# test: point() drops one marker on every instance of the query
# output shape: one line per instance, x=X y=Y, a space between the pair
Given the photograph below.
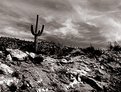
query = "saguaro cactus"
x=36 y=33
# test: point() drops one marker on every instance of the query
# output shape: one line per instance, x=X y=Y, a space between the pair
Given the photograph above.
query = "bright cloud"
x=112 y=33
x=12 y=32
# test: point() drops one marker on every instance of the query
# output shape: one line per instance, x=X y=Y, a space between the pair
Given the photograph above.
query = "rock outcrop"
x=17 y=54
x=71 y=73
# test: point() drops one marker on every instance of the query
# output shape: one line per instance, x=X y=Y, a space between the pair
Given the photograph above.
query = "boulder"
x=9 y=58
x=64 y=61
x=17 y=54
x=92 y=82
x=42 y=90
x=84 y=67
x=6 y=69
x=78 y=59
x=73 y=83
x=38 y=59
x=1 y=54
x=32 y=55
x=6 y=82
x=77 y=72
x=50 y=64
x=9 y=81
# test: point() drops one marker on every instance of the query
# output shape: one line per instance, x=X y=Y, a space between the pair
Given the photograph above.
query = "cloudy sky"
x=70 y=22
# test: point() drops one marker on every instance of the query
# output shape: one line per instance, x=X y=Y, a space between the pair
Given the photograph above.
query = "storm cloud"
x=71 y=22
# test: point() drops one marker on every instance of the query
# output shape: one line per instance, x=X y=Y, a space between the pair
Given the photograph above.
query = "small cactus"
x=36 y=33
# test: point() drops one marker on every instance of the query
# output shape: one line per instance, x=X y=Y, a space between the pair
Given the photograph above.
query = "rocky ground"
x=79 y=71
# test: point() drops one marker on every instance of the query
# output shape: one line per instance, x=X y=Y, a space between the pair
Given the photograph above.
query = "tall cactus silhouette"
x=36 y=33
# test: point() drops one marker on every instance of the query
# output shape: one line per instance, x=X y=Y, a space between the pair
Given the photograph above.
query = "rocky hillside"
x=57 y=68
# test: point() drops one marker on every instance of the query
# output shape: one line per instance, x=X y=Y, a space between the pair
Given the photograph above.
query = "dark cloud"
x=72 y=22
x=104 y=5
x=55 y=5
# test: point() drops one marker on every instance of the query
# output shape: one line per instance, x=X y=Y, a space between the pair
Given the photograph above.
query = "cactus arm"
x=40 y=32
x=42 y=29
x=36 y=24
x=32 y=30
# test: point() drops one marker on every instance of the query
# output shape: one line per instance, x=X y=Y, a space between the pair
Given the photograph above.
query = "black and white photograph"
x=60 y=45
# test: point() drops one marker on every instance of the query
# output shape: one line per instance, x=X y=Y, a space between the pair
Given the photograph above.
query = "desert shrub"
x=62 y=50
x=110 y=59
x=2 y=47
x=77 y=52
x=67 y=50
x=15 y=74
x=38 y=59
x=59 y=50
x=27 y=47
x=1 y=71
x=114 y=47
x=12 y=88
x=91 y=52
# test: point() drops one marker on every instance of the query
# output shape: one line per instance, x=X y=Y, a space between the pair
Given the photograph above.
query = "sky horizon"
x=70 y=22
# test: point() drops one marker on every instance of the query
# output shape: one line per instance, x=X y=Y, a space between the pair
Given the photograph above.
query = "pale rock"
x=39 y=81
x=39 y=90
x=6 y=68
x=102 y=67
x=27 y=52
x=42 y=90
x=75 y=82
x=1 y=53
x=82 y=72
x=76 y=59
x=9 y=58
x=77 y=72
x=49 y=59
x=101 y=71
x=17 y=54
x=31 y=54
x=84 y=67
x=1 y=80
x=8 y=81
x=64 y=61
x=77 y=52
